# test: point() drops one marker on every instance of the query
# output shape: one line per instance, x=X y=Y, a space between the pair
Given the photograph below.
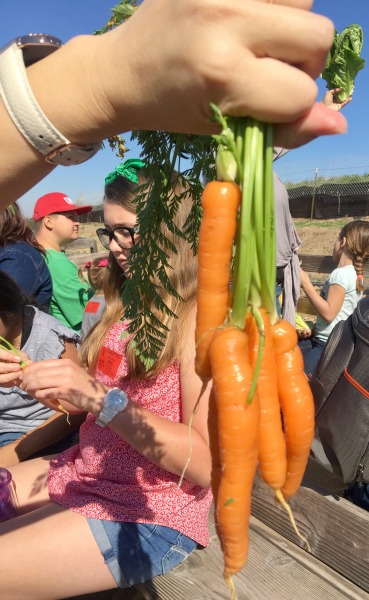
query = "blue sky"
x=333 y=155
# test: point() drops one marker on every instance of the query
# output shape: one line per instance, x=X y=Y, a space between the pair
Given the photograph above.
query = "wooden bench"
x=278 y=568
x=320 y=267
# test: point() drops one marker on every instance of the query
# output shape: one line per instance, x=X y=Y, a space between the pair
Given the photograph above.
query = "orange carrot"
x=272 y=444
x=220 y=202
x=296 y=402
x=238 y=424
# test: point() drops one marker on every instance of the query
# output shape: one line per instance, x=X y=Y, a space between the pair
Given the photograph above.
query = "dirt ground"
x=319 y=237
x=89 y=230
x=316 y=239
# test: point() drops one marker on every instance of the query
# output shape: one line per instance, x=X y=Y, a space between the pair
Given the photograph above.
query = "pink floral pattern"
x=103 y=477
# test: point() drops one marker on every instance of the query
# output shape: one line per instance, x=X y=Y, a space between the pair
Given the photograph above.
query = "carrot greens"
x=5 y=345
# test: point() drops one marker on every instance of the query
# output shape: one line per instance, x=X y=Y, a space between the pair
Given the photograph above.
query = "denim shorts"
x=7 y=437
x=137 y=552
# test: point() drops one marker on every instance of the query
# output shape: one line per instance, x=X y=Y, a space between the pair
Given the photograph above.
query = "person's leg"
x=278 y=299
x=311 y=356
x=48 y=554
x=30 y=480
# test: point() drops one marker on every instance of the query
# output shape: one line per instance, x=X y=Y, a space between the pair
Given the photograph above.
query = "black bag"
x=340 y=386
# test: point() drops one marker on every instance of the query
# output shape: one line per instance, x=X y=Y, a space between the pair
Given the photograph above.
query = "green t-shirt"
x=70 y=294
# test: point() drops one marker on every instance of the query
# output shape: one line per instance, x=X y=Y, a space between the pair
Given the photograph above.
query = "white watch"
x=23 y=107
x=115 y=401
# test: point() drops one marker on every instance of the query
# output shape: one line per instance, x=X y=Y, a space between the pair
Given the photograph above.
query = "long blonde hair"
x=357 y=246
x=182 y=276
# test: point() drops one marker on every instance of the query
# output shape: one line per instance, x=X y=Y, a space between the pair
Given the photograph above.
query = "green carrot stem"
x=260 y=324
x=270 y=236
x=255 y=297
x=8 y=347
x=227 y=141
x=264 y=224
x=259 y=217
x=245 y=248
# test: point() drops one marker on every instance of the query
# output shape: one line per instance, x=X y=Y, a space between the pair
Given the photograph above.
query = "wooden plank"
x=337 y=530
x=305 y=307
x=318 y=263
x=80 y=259
x=277 y=569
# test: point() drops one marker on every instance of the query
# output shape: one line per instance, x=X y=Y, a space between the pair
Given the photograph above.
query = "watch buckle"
x=59 y=155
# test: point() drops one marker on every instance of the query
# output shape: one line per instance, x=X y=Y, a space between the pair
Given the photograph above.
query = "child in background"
x=26 y=426
x=341 y=292
x=96 y=305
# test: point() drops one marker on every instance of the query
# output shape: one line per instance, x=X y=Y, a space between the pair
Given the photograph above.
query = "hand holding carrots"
x=263 y=38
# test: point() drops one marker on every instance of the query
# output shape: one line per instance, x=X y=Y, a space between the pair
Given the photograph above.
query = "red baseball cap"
x=56 y=202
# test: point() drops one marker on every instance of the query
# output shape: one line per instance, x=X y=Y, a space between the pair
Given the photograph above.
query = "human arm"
x=327 y=308
x=113 y=85
x=165 y=443
x=55 y=428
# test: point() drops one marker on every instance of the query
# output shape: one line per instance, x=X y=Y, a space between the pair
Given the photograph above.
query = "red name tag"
x=109 y=362
x=92 y=307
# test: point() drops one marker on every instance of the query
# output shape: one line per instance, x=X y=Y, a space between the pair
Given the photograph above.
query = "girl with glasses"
x=117 y=494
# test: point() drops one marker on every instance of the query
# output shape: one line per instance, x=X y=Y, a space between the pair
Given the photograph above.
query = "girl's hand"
x=11 y=372
x=328 y=100
x=64 y=381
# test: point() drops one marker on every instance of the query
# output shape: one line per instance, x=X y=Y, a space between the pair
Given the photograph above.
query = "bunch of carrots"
x=261 y=408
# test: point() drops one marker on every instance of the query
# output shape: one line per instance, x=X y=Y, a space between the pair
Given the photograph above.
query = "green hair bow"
x=127 y=169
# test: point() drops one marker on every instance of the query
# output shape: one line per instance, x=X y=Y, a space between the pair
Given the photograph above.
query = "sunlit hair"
x=357 y=246
x=182 y=276
x=14 y=228
x=94 y=274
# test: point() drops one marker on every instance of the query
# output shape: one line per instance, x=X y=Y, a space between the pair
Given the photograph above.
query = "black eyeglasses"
x=123 y=236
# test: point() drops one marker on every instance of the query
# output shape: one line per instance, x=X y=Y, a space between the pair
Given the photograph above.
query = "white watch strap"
x=27 y=115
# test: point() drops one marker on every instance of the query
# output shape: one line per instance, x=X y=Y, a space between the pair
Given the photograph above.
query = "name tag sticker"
x=109 y=362
x=92 y=307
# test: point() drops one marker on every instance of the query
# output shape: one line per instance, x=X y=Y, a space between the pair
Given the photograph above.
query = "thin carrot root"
x=280 y=498
x=203 y=388
x=60 y=407
x=230 y=584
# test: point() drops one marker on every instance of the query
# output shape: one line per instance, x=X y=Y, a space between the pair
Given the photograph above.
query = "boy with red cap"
x=57 y=223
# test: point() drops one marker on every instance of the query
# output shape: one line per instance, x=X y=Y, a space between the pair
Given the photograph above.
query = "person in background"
x=22 y=257
x=96 y=270
x=341 y=292
x=57 y=223
x=195 y=70
x=288 y=241
x=27 y=426
x=119 y=494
